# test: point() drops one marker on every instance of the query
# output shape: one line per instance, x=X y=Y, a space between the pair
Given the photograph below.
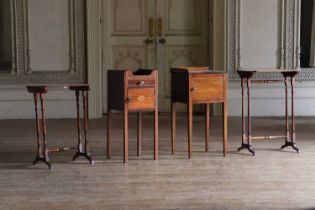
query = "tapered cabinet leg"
x=173 y=110
x=139 y=133
x=207 y=125
x=189 y=119
x=225 y=127
x=125 y=135
x=109 y=134
x=156 y=133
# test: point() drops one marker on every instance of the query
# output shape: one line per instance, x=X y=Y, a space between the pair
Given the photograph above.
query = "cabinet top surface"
x=196 y=70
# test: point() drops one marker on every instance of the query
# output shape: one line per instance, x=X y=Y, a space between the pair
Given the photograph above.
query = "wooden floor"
x=272 y=179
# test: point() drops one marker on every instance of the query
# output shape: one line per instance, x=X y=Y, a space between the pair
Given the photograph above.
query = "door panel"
x=128 y=17
x=185 y=32
x=182 y=17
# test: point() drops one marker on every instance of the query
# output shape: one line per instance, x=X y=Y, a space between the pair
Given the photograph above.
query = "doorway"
x=157 y=34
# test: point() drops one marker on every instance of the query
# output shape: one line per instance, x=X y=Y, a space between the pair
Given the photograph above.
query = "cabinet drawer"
x=141 y=83
x=141 y=98
x=207 y=88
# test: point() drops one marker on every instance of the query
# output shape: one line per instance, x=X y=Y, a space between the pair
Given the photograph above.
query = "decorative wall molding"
x=13 y=63
x=72 y=48
x=23 y=74
x=289 y=46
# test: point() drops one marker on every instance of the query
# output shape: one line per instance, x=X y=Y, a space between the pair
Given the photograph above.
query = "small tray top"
x=267 y=70
x=43 y=88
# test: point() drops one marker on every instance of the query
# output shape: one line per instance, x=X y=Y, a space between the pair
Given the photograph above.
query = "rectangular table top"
x=43 y=88
x=267 y=70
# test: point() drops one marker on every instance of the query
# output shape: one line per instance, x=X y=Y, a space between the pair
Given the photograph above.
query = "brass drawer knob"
x=140 y=83
x=129 y=98
x=193 y=89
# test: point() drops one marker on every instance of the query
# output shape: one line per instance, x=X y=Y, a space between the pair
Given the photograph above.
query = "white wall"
x=49 y=49
x=268 y=99
x=17 y=103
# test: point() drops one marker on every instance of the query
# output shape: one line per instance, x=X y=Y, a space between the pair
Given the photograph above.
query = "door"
x=157 y=34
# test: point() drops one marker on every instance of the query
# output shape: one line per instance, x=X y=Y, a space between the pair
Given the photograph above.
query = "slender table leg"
x=246 y=145
x=109 y=130
x=156 y=129
x=225 y=126
x=42 y=151
x=39 y=147
x=293 y=117
x=79 y=146
x=207 y=125
x=292 y=142
x=189 y=118
x=249 y=118
x=126 y=133
x=139 y=131
x=173 y=110
x=80 y=152
x=243 y=117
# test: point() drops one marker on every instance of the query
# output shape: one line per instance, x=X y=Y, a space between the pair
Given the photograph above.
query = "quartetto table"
x=82 y=147
x=198 y=85
x=246 y=77
x=132 y=91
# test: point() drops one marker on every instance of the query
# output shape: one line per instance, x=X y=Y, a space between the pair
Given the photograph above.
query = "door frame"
x=95 y=47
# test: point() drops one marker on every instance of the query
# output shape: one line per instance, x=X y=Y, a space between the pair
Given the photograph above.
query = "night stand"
x=132 y=91
x=192 y=85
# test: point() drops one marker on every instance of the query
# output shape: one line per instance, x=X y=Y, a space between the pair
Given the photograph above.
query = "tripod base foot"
x=291 y=144
x=247 y=146
x=44 y=160
x=86 y=155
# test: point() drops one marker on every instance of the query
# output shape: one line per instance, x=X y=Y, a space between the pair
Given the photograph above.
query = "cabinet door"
x=207 y=88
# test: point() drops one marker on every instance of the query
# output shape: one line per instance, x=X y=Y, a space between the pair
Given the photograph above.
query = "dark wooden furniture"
x=198 y=86
x=132 y=91
x=246 y=80
x=42 y=149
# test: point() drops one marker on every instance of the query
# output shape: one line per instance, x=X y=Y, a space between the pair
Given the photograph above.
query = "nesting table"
x=246 y=81
x=132 y=91
x=198 y=85
x=82 y=148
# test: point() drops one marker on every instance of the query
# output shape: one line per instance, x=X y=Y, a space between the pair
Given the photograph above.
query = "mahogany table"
x=132 y=91
x=198 y=85
x=246 y=77
x=42 y=149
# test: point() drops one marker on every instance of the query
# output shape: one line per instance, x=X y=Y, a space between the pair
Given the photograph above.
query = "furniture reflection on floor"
x=132 y=91
x=191 y=86
x=246 y=77
x=42 y=148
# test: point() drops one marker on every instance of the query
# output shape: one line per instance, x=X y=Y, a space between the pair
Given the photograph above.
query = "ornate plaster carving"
x=23 y=74
x=289 y=47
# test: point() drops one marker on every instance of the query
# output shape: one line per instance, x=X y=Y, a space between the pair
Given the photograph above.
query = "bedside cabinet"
x=132 y=91
x=194 y=85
